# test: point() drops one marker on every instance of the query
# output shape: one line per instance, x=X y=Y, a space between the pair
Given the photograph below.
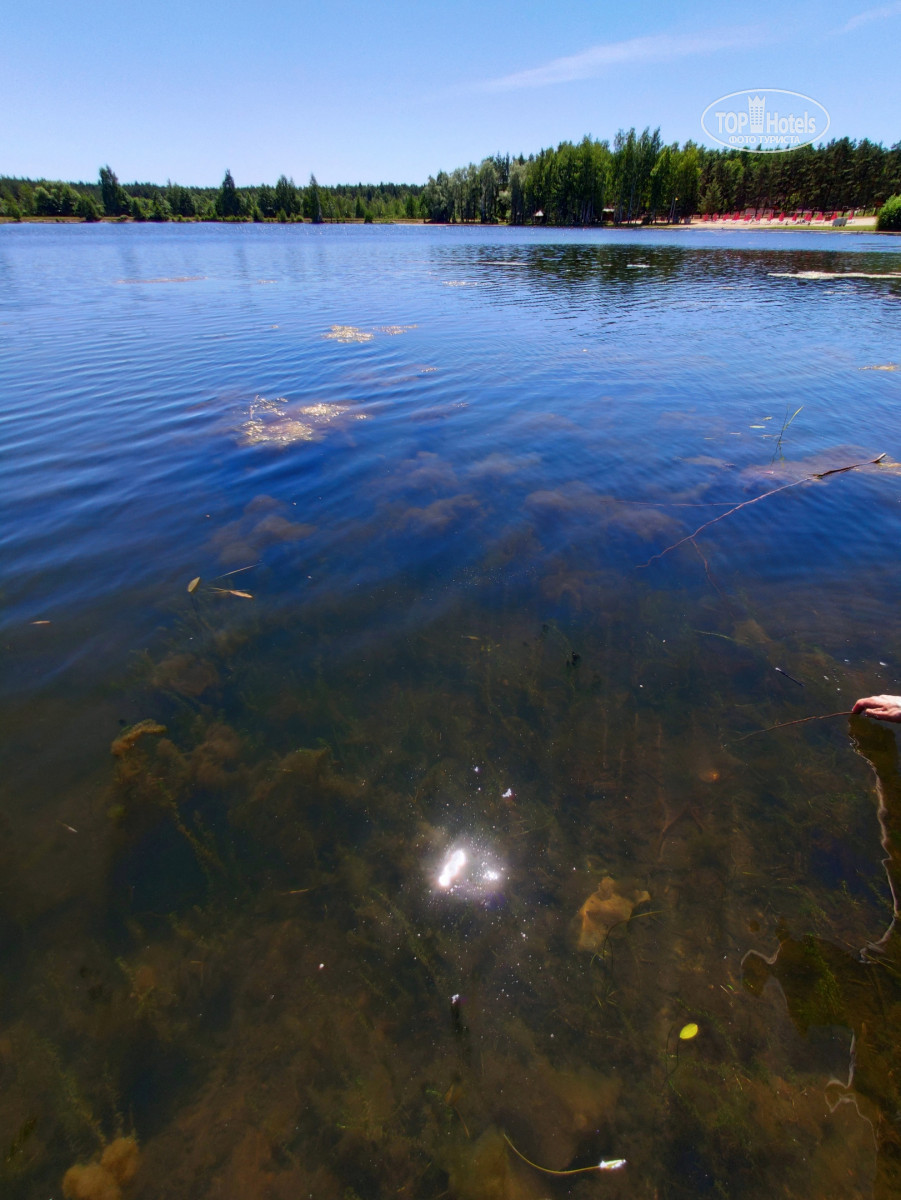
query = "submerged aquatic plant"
x=785 y=424
x=104 y=1179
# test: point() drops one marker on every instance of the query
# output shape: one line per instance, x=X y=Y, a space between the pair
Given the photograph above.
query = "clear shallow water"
x=451 y=460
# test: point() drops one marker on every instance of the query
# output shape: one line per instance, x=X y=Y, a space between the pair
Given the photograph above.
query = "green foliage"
x=159 y=209
x=44 y=203
x=116 y=200
x=180 y=201
x=636 y=179
x=286 y=199
x=228 y=203
x=640 y=179
x=55 y=200
x=88 y=208
x=313 y=202
x=266 y=203
x=889 y=217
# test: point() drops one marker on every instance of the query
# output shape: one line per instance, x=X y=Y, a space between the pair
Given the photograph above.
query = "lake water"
x=443 y=831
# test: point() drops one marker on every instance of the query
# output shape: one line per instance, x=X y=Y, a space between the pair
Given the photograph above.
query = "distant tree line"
x=285 y=201
x=585 y=184
x=638 y=178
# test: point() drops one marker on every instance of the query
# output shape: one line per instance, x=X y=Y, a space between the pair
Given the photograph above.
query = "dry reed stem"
x=799 y=721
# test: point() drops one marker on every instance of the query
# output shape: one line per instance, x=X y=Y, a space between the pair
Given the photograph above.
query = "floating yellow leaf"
x=687 y=1032
x=192 y=586
x=231 y=592
x=40 y=622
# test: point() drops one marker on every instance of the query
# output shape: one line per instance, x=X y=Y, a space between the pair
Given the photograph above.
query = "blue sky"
x=357 y=90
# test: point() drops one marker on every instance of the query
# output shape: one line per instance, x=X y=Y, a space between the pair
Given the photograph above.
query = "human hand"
x=883 y=708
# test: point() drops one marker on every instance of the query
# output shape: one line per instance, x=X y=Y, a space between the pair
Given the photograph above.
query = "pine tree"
x=228 y=203
x=285 y=199
x=314 y=201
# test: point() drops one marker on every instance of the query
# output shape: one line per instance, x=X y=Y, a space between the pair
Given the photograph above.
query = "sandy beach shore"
x=853 y=224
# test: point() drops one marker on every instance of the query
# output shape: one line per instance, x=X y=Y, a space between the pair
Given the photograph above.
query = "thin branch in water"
x=237 y=571
x=799 y=721
x=838 y=470
x=670 y=503
x=689 y=537
x=716 y=587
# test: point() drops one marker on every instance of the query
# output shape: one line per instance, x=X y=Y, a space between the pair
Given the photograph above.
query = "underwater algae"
x=348 y=334
x=130 y=736
x=280 y=423
x=105 y=1179
x=273 y=974
x=825 y=985
x=548 y=1122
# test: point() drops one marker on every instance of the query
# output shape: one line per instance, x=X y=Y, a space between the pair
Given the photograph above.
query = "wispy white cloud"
x=871 y=14
x=595 y=60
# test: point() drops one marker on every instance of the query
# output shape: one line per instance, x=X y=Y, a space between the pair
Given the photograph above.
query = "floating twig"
x=716 y=587
x=838 y=470
x=787 y=676
x=689 y=537
x=799 y=721
x=238 y=570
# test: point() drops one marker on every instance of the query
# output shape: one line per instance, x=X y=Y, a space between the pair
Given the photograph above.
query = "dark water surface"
x=441 y=828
